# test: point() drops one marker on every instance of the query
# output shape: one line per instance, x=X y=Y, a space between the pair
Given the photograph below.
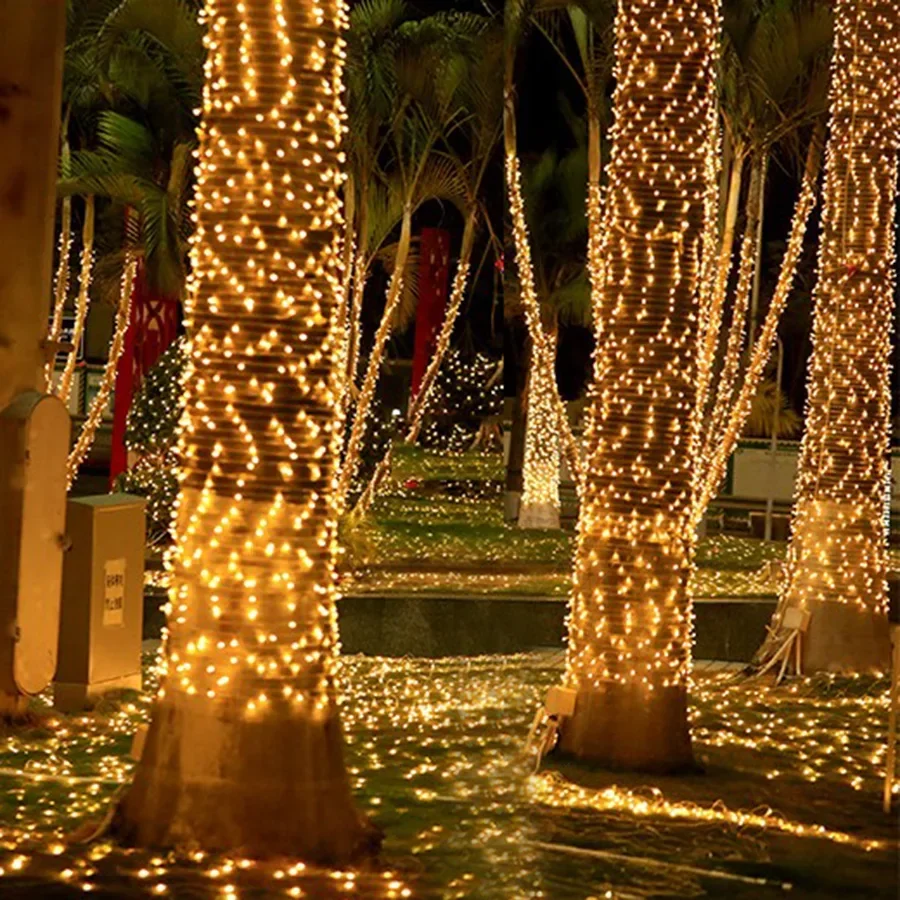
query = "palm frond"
x=408 y=303
x=769 y=398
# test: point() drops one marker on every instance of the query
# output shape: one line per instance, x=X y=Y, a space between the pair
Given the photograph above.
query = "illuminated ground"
x=791 y=796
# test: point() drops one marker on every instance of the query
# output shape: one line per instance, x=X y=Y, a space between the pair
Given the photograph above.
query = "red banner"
x=151 y=329
x=434 y=268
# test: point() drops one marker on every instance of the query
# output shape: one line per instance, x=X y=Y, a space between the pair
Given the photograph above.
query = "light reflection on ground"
x=791 y=795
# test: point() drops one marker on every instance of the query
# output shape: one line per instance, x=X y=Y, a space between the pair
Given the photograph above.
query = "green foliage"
x=761 y=421
x=774 y=69
x=132 y=84
x=416 y=94
x=157 y=407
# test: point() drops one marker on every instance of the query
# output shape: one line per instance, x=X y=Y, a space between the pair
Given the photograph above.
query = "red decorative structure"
x=433 y=277
x=152 y=328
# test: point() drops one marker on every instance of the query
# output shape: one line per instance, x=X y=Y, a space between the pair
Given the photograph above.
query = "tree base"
x=211 y=779
x=846 y=638
x=538 y=515
x=630 y=727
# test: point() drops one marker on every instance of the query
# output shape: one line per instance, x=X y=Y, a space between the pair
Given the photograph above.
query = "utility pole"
x=34 y=428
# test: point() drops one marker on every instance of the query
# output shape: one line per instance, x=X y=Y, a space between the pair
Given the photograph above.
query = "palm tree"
x=470 y=147
x=427 y=67
x=774 y=79
x=133 y=76
x=246 y=724
x=837 y=560
x=591 y=24
x=629 y=627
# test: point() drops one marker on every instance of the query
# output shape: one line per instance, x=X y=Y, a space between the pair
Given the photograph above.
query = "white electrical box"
x=34 y=447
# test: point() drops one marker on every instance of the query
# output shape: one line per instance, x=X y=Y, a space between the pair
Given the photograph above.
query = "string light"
x=419 y=404
x=837 y=561
x=252 y=641
x=358 y=290
x=630 y=617
x=555 y=791
x=83 y=300
x=467 y=392
x=435 y=737
x=101 y=398
x=152 y=435
x=442 y=344
x=61 y=281
x=723 y=395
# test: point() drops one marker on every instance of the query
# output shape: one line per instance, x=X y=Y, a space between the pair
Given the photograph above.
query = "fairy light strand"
x=61 y=281
x=82 y=302
x=718 y=446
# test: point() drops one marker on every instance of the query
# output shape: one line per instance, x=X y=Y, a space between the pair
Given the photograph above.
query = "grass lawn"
x=439 y=528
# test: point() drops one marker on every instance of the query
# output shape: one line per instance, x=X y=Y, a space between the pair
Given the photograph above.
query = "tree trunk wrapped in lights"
x=83 y=301
x=95 y=414
x=244 y=750
x=837 y=562
x=630 y=619
x=539 y=507
x=61 y=281
x=373 y=367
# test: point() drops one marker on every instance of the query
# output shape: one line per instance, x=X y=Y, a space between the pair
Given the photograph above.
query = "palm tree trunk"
x=753 y=325
x=419 y=404
x=244 y=749
x=837 y=561
x=726 y=390
x=344 y=315
x=713 y=326
x=512 y=491
x=373 y=369
x=29 y=147
x=357 y=294
x=595 y=216
x=84 y=298
x=628 y=658
x=721 y=445
x=32 y=39
x=725 y=175
x=539 y=507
